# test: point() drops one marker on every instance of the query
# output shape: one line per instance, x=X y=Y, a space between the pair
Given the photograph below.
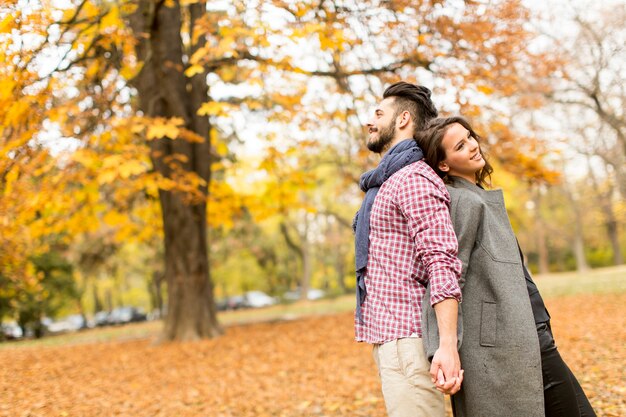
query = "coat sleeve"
x=466 y=214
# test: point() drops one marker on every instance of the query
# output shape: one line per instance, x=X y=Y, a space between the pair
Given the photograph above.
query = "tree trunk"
x=307 y=261
x=612 y=231
x=164 y=91
x=191 y=311
x=579 y=249
x=156 y=292
x=610 y=221
x=97 y=303
x=612 y=226
x=340 y=270
x=542 y=249
x=578 y=244
x=108 y=297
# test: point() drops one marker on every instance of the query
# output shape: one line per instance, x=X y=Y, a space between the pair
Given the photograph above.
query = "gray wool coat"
x=499 y=348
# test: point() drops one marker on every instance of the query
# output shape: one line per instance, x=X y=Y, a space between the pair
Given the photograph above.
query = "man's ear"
x=403 y=119
x=443 y=166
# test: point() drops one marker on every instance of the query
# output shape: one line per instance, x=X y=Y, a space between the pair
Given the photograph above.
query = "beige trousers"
x=405 y=378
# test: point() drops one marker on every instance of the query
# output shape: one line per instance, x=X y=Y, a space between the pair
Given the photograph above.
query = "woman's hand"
x=445 y=370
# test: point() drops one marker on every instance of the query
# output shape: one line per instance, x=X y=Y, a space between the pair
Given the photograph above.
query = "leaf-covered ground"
x=306 y=367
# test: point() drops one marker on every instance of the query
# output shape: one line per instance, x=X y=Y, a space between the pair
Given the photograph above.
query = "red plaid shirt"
x=412 y=241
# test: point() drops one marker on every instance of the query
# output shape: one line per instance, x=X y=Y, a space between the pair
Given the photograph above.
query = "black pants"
x=563 y=395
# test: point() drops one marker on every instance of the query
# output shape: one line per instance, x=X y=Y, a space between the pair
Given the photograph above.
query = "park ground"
x=297 y=360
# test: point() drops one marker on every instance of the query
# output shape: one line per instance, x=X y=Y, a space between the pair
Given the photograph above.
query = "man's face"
x=382 y=127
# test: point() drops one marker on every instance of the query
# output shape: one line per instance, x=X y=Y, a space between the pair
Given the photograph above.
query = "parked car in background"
x=11 y=331
x=236 y=302
x=221 y=304
x=71 y=323
x=315 y=294
x=312 y=294
x=257 y=299
x=250 y=299
x=123 y=315
x=101 y=318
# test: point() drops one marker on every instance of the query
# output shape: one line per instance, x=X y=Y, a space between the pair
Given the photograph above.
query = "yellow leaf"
x=227 y=74
x=9 y=180
x=107 y=177
x=193 y=70
x=5 y=25
x=130 y=71
x=111 y=19
x=485 y=89
x=198 y=55
x=112 y=161
x=131 y=167
x=129 y=8
x=190 y=136
x=164 y=128
x=90 y=10
x=212 y=108
x=114 y=218
x=221 y=149
x=137 y=128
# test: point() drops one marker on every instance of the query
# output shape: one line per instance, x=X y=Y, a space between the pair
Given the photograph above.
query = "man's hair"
x=412 y=98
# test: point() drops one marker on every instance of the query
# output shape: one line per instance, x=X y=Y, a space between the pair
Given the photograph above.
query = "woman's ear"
x=443 y=166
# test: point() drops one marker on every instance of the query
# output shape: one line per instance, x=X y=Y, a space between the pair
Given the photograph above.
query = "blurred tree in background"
x=204 y=145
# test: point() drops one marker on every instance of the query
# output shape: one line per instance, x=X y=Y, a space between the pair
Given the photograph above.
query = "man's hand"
x=445 y=370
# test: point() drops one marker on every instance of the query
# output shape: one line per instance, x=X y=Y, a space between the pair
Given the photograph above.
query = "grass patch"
x=152 y=329
x=599 y=281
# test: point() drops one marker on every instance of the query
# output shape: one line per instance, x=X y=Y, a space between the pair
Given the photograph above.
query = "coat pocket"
x=488 y=320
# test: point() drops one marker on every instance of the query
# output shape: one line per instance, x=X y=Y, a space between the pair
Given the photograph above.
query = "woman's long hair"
x=430 y=140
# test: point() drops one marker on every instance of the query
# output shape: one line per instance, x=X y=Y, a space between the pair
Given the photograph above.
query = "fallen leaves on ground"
x=306 y=367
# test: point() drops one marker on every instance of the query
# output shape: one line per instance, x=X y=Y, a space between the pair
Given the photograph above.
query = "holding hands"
x=445 y=370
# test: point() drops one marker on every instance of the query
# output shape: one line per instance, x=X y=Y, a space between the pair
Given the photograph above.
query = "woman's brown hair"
x=430 y=140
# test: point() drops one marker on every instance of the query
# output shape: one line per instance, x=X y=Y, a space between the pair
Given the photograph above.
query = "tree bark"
x=156 y=292
x=578 y=244
x=164 y=91
x=542 y=249
x=610 y=221
x=97 y=303
x=303 y=251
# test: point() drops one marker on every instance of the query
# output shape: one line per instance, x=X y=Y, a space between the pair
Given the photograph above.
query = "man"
x=405 y=241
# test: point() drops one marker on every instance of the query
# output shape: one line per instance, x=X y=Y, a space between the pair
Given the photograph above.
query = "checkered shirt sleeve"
x=412 y=242
x=426 y=208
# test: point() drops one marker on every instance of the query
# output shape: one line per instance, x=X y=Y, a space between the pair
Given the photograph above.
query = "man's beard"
x=385 y=136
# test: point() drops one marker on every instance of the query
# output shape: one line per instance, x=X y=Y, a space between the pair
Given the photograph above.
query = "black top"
x=539 y=308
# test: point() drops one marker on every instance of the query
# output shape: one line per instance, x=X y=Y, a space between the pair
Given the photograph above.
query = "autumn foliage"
x=202 y=137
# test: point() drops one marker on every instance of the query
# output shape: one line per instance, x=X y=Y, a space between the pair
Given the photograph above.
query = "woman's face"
x=463 y=157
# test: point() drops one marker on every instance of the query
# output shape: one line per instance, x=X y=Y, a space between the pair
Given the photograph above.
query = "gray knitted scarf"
x=401 y=155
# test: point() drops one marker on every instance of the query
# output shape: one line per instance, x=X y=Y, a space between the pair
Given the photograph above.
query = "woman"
x=512 y=366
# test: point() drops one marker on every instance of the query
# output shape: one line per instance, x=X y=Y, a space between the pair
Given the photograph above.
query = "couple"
x=494 y=352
